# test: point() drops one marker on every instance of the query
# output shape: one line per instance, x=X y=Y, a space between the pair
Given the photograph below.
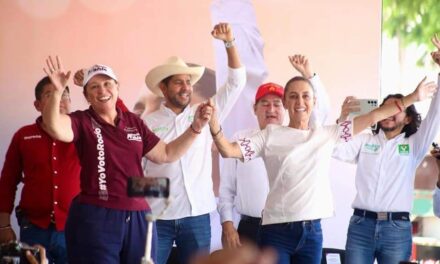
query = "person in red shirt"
x=49 y=170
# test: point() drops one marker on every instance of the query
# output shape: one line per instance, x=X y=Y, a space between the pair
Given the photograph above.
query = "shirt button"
x=55 y=158
x=55 y=203
x=55 y=172
x=55 y=187
x=54 y=144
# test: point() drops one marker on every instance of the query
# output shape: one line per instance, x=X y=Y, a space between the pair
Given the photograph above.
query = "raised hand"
x=223 y=31
x=424 y=90
x=436 y=41
x=350 y=105
x=302 y=65
x=78 y=78
x=56 y=73
x=213 y=122
x=202 y=116
x=436 y=57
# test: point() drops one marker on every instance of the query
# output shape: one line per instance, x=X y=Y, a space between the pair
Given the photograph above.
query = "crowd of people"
x=276 y=177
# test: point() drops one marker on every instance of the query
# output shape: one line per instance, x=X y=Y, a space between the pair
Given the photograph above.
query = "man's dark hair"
x=411 y=112
x=40 y=87
x=167 y=80
x=296 y=79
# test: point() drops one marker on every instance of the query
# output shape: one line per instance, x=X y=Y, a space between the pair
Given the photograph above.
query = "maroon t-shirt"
x=109 y=155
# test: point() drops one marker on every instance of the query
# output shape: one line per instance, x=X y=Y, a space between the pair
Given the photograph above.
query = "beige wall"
x=341 y=37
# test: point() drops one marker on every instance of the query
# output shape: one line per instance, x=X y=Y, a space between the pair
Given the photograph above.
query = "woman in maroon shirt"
x=104 y=224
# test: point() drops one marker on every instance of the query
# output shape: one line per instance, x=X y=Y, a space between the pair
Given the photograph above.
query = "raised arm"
x=350 y=105
x=422 y=92
x=430 y=125
x=165 y=153
x=225 y=148
x=230 y=91
x=223 y=31
x=322 y=108
x=57 y=125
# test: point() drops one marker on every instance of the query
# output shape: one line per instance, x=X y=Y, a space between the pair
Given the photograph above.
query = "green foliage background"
x=411 y=21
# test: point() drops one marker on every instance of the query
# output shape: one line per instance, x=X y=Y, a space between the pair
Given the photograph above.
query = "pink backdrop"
x=341 y=37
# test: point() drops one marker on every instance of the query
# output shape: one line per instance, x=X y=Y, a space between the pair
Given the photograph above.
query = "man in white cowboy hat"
x=186 y=222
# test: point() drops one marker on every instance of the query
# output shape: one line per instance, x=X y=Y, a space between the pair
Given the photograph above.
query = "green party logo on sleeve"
x=159 y=130
x=403 y=149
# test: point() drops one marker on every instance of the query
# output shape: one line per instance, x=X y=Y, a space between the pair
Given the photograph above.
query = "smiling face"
x=102 y=93
x=299 y=100
x=177 y=91
x=396 y=122
x=269 y=110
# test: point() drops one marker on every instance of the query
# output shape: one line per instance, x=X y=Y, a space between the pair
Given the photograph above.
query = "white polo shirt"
x=386 y=168
x=191 y=185
x=245 y=185
x=297 y=163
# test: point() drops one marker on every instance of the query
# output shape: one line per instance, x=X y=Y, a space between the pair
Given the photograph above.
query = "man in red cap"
x=248 y=194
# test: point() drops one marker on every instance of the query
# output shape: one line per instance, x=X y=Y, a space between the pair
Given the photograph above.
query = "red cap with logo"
x=269 y=88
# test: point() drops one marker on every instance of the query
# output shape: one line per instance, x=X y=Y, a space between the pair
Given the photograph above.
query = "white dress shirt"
x=386 y=168
x=191 y=185
x=297 y=163
x=245 y=185
x=437 y=201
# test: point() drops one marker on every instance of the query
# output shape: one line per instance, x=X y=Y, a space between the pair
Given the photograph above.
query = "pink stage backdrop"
x=341 y=37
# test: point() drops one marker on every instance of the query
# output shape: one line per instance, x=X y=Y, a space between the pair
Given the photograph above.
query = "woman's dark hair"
x=411 y=112
x=296 y=79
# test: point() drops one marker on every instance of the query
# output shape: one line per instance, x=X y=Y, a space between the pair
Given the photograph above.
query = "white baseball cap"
x=98 y=69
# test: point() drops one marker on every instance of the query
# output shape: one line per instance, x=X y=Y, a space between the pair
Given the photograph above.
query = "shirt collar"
x=120 y=117
x=170 y=112
x=39 y=122
x=382 y=135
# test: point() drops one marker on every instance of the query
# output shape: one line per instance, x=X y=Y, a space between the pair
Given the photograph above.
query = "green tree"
x=411 y=22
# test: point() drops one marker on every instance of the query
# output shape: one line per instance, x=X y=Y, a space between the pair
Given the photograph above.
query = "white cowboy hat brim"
x=157 y=74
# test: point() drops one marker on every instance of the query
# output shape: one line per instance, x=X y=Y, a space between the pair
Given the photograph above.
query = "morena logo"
x=97 y=68
x=246 y=145
x=346 y=130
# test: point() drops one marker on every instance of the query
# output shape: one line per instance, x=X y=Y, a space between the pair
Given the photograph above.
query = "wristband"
x=229 y=44
x=193 y=130
x=398 y=106
x=218 y=132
